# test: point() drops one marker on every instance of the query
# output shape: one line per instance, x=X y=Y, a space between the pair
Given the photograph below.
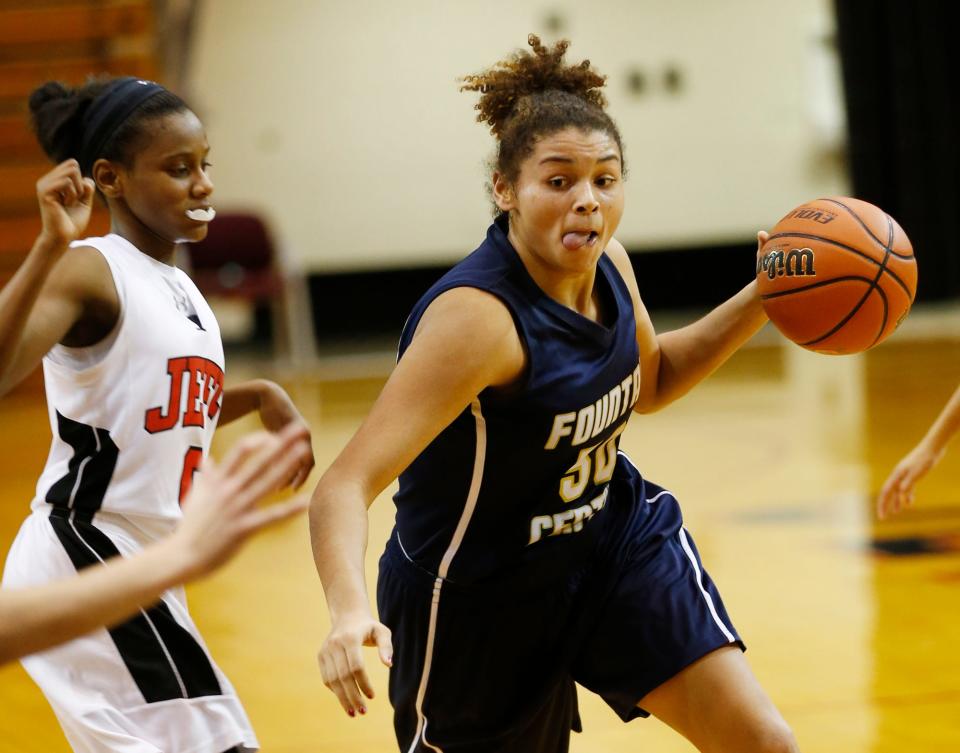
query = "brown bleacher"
x=60 y=40
x=73 y=21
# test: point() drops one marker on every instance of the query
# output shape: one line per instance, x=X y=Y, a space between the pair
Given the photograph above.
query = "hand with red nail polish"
x=341 y=658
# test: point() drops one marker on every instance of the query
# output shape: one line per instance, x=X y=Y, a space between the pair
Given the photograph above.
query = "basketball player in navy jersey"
x=528 y=553
x=134 y=378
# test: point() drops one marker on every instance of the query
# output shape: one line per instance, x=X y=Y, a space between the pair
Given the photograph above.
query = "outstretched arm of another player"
x=465 y=342
x=672 y=363
x=220 y=513
x=899 y=488
x=276 y=411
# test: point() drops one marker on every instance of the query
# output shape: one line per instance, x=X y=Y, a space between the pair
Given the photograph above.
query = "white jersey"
x=132 y=417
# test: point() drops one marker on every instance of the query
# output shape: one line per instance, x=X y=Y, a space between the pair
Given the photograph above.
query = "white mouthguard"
x=202 y=215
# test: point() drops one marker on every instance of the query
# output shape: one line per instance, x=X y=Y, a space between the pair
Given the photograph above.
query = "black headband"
x=108 y=112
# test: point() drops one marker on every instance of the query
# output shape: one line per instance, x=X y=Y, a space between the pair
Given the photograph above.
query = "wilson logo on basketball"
x=817 y=215
x=797 y=262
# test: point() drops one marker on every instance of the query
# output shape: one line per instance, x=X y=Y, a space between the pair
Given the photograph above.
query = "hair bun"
x=527 y=73
x=532 y=94
x=51 y=91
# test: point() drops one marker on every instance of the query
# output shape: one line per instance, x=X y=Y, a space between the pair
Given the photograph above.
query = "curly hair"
x=534 y=94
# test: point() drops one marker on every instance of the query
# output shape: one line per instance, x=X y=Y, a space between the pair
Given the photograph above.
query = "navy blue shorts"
x=493 y=668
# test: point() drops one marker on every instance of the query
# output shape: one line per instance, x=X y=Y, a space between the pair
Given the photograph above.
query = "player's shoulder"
x=84 y=270
x=472 y=310
x=617 y=254
x=621 y=260
x=474 y=330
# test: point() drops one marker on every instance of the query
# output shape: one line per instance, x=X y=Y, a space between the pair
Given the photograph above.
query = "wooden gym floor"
x=853 y=626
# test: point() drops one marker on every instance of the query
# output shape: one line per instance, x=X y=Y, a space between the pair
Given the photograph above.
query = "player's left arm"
x=672 y=363
x=276 y=411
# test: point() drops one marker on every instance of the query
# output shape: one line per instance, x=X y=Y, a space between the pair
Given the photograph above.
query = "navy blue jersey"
x=517 y=484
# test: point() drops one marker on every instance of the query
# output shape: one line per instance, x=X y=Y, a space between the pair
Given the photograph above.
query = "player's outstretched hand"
x=277 y=412
x=220 y=512
x=898 y=490
x=341 y=659
x=66 y=200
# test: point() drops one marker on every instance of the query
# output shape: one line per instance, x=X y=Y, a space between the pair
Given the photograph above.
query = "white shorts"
x=147 y=686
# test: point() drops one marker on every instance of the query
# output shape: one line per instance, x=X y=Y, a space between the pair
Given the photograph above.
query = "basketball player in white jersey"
x=134 y=375
x=220 y=513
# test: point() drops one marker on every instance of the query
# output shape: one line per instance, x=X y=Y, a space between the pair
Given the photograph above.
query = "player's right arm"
x=465 y=342
x=54 y=295
x=898 y=490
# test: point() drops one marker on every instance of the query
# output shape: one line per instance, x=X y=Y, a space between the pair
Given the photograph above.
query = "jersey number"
x=191 y=462
x=597 y=462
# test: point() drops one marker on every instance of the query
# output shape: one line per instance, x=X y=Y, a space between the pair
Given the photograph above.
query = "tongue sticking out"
x=573 y=241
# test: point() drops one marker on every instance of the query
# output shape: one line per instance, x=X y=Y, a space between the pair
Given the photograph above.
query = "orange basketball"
x=837 y=275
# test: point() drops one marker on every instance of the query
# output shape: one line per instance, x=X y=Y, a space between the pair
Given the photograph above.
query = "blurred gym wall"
x=341 y=119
